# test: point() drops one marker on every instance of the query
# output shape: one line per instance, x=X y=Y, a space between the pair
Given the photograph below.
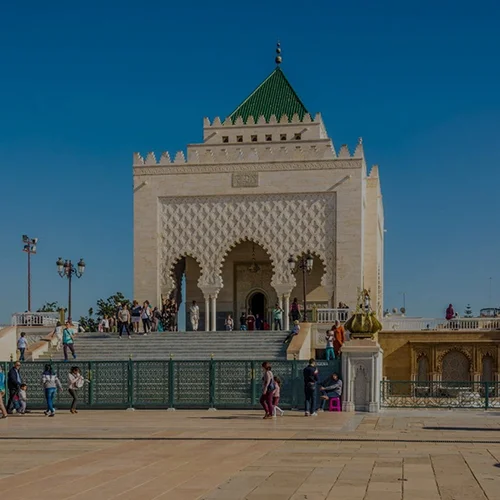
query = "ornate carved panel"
x=206 y=228
x=245 y=179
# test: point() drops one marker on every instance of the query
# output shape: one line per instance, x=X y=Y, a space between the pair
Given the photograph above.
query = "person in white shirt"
x=22 y=344
x=75 y=382
x=146 y=317
x=194 y=314
x=22 y=399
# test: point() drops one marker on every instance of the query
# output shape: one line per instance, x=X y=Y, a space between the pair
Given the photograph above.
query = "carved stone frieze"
x=244 y=179
x=247 y=167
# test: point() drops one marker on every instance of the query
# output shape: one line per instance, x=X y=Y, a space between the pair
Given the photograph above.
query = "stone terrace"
x=410 y=455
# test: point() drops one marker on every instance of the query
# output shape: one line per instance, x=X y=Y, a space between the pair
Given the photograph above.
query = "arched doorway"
x=257 y=303
x=456 y=367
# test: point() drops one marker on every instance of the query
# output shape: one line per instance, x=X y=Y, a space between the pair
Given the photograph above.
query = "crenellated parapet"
x=261 y=120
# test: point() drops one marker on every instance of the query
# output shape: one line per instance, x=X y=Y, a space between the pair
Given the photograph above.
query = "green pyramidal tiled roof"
x=274 y=96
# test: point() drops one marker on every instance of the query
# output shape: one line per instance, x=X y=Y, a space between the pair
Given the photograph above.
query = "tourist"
x=294 y=331
x=23 y=398
x=330 y=388
x=310 y=378
x=112 y=324
x=229 y=323
x=135 y=314
x=277 y=316
x=268 y=387
x=68 y=342
x=338 y=337
x=194 y=315
x=265 y=325
x=155 y=319
x=22 y=344
x=146 y=317
x=276 y=397
x=3 y=410
x=14 y=382
x=450 y=312
x=124 y=320
x=50 y=384
x=258 y=322
x=295 y=310
x=75 y=382
x=330 y=353
x=250 y=319
x=173 y=311
x=57 y=336
x=243 y=321
x=105 y=324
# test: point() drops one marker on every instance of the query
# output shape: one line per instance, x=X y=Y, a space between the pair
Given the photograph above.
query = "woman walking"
x=50 y=384
x=268 y=387
x=75 y=382
x=68 y=342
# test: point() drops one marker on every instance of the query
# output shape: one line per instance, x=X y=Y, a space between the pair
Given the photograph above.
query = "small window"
x=239 y=138
x=254 y=138
x=269 y=137
x=225 y=138
x=282 y=137
x=297 y=137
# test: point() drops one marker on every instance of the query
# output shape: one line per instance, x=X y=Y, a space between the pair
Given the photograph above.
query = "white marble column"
x=213 y=300
x=207 y=313
x=286 y=312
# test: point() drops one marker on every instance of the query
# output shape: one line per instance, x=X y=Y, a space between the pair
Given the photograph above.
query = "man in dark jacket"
x=310 y=378
x=14 y=382
x=330 y=388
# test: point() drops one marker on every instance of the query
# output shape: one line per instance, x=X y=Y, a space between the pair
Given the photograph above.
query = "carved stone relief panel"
x=245 y=179
x=207 y=227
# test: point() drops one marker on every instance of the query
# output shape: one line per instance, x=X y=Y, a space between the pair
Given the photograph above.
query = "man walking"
x=124 y=320
x=194 y=314
x=22 y=344
x=14 y=382
x=310 y=378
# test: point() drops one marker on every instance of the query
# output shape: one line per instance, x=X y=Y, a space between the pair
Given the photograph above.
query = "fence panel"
x=191 y=383
x=233 y=384
x=436 y=394
x=110 y=380
x=151 y=383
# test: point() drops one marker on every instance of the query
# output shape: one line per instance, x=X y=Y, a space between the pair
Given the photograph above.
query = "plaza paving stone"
x=231 y=455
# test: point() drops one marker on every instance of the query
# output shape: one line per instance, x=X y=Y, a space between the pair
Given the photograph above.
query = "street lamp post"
x=67 y=269
x=304 y=264
x=30 y=248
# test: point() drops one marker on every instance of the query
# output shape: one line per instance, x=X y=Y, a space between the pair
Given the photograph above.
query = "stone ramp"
x=235 y=345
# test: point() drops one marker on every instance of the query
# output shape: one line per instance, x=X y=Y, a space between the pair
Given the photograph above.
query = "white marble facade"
x=277 y=186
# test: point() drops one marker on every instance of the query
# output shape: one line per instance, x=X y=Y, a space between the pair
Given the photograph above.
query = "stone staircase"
x=254 y=345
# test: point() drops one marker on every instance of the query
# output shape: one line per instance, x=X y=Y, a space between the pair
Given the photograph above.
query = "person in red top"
x=250 y=321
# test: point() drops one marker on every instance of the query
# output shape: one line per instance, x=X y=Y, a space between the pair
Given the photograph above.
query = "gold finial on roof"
x=278 y=59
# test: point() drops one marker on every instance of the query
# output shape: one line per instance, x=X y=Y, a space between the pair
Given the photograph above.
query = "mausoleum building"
x=266 y=183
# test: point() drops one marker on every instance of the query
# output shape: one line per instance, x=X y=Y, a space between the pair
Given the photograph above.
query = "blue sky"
x=84 y=84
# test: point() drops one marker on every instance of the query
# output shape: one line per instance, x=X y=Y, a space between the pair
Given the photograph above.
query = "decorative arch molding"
x=465 y=351
x=207 y=227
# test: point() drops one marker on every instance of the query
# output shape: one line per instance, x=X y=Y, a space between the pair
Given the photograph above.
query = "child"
x=22 y=344
x=22 y=399
x=276 y=396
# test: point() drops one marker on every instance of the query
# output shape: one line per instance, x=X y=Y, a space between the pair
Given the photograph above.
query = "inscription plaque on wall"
x=245 y=179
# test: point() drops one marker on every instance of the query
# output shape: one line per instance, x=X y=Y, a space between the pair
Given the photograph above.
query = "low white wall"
x=8 y=343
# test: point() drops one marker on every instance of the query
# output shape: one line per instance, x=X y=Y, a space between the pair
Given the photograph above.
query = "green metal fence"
x=438 y=394
x=172 y=383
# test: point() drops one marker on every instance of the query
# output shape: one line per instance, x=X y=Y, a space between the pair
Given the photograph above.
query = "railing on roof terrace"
x=332 y=315
x=403 y=323
x=35 y=319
